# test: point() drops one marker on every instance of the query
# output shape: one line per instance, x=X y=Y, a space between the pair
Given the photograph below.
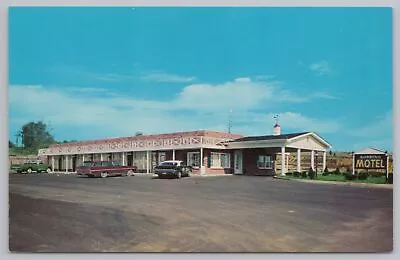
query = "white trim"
x=298 y=160
x=256 y=144
x=66 y=163
x=238 y=157
x=188 y=154
x=220 y=167
x=271 y=160
x=312 y=159
x=283 y=159
x=314 y=135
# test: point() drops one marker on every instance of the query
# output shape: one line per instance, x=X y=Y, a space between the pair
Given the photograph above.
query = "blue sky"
x=107 y=72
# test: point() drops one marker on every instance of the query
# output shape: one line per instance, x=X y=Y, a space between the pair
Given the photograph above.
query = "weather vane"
x=276 y=117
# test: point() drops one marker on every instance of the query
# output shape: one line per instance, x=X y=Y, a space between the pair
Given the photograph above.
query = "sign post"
x=387 y=167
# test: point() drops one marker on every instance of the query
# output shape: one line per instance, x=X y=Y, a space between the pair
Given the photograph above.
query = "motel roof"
x=268 y=137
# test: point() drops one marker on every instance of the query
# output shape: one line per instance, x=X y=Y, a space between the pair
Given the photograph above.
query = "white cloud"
x=381 y=126
x=87 y=89
x=324 y=95
x=160 y=76
x=299 y=122
x=242 y=80
x=264 y=77
x=241 y=94
x=321 y=67
x=197 y=106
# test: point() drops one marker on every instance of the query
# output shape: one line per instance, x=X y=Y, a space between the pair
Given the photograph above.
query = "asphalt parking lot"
x=67 y=213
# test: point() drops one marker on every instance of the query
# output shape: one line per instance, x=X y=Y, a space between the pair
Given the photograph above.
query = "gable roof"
x=370 y=150
x=268 y=137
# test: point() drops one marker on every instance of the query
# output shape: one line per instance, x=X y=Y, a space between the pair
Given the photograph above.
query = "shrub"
x=289 y=173
x=311 y=173
x=304 y=174
x=296 y=174
x=390 y=179
x=326 y=172
x=337 y=171
x=349 y=176
x=376 y=174
x=362 y=175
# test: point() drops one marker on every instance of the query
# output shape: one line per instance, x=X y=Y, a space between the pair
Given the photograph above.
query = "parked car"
x=31 y=166
x=104 y=169
x=177 y=169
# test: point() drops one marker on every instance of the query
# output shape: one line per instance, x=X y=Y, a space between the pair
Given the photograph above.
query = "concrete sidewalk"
x=354 y=184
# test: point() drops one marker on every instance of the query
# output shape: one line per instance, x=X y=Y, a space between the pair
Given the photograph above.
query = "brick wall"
x=250 y=157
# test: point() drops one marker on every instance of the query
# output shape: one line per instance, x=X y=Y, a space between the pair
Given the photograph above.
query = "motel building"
x=209 y=152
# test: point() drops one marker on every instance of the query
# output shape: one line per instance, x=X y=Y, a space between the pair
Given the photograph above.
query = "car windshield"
x=168 y=163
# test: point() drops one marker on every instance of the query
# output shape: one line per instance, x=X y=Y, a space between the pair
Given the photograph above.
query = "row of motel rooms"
x=209 y=152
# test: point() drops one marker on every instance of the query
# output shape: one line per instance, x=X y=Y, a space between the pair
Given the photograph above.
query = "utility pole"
x=230 y=121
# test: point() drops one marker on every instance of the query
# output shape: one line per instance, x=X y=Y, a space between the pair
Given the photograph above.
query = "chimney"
x=277 y=129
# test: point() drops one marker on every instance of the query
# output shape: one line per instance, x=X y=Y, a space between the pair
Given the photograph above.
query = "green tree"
x=36 y=135
x=138 y=133
x=10 y=144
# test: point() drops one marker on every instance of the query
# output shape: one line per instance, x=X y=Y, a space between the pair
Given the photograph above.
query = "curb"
x=362 y=185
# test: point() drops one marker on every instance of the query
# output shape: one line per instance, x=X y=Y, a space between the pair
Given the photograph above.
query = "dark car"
x=176 y=169
x=104 y=169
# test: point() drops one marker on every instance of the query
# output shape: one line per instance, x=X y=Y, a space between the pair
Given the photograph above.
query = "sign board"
x=370 y=161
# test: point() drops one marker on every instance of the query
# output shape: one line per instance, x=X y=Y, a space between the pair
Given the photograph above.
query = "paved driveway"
x=67 y=213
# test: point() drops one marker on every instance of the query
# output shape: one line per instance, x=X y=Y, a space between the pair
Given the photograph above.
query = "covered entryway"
x=268 y=155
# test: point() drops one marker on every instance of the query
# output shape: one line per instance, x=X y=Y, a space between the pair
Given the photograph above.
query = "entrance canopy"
x=304 y=141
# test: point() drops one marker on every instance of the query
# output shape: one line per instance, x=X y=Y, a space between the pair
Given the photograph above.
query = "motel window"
x=193 y=159
x=161 y=156
x=220 y=160
x=264 y=162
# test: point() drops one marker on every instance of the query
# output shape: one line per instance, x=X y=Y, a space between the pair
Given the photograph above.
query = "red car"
x=104 y=169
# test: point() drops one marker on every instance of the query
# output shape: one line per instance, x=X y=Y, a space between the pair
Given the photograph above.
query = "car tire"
x=129 y=173
x=103 y=175
x=29 y=170
x=48 y=170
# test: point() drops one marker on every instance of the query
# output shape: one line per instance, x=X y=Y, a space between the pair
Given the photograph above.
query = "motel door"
x=238 y=169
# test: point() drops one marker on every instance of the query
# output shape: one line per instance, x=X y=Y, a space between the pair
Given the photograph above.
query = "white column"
x=52 y=163
x=101 y=157
x=299 y=160
x=353 y=170
x=283 y=157
x=123 y=158
x=202 y=169
x=173 y=154
x=324 y=161
x=312 y=159
x=83 y=158
x=66 y=163
x=147 y=161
